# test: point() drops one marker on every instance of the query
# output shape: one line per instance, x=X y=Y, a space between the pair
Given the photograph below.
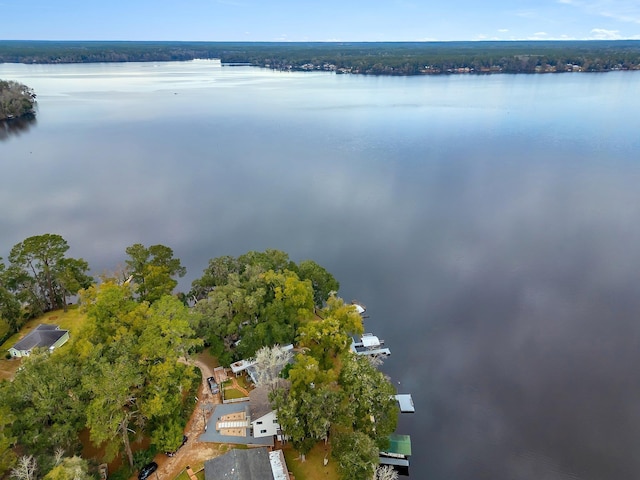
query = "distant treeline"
x=391 y=58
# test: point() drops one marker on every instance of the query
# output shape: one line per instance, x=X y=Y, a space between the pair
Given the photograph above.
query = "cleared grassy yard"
x=71 y=320
x=313 y=468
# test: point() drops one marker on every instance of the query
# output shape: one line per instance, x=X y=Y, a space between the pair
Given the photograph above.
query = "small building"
x=398 y=452
x=250 y=464
x=43 y=336
x=241 y=365
x=371 y=345
x=264 y=422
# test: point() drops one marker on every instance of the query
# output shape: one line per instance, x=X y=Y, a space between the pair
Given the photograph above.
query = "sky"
x=319 y=20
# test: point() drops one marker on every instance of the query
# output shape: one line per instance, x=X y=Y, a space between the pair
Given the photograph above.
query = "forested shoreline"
x=125 y=374
x=16 y=100
x=391 y=58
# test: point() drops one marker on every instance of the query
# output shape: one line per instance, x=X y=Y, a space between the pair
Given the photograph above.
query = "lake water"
x=491 y=224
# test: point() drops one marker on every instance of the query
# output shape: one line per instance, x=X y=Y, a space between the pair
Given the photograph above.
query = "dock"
x=398 y=452
x=369 y=344
x=405 y=402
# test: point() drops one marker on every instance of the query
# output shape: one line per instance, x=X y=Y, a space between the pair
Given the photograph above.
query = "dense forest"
x=126 y=374
x=16 y=100
x=393 y=58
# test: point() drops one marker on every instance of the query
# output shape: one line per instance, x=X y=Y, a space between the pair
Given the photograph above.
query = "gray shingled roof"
x=259 y=402
x=251 y=464
x=43 y=336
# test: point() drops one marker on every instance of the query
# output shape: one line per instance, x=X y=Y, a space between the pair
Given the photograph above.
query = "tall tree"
x=330 y=336
x=369 y=405
x=152 y=270
x=53 y=276
x=113 y=410
x=10 y=310
x=136 y=381
x=217 y=273
x=7 y=456
x=356 y=454
x=322 y=281
x=46 y=401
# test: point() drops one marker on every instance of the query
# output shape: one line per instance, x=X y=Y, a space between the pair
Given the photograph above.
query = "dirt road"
x=193 y=453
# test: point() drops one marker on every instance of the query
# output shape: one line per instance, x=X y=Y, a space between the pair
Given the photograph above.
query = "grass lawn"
x=231 y=393
x=243 y=382
x=71 y=320
x=312 y=468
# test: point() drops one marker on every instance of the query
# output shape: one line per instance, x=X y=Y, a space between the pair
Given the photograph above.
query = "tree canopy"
x=153 y=270
x=40 y=277
x=123 y=376
x=16 y=100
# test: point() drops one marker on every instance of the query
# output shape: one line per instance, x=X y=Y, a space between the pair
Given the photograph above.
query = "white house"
x=43 y=336
x=264 y=422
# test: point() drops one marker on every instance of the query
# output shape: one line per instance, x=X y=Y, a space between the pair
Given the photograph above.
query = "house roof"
x=259 y=404
x=43 y=336
x=250 y=464
x=278 y=465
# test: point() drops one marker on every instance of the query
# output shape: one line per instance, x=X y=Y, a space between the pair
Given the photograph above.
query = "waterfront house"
x=264 y=422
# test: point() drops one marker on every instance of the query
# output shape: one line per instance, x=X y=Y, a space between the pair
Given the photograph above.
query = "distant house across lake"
x=43 y=336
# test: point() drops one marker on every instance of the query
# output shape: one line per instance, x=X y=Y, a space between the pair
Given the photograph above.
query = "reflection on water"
x=16 y=126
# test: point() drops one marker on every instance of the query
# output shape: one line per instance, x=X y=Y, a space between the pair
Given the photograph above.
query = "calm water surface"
x=491 y=225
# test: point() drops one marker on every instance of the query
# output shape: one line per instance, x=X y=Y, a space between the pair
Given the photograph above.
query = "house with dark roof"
x=43 y=336
x=250 y=464
x=264 y=421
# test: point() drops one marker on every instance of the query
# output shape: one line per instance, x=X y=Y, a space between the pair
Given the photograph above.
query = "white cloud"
x=540 y=34
x=603 y=34
x=503 y=30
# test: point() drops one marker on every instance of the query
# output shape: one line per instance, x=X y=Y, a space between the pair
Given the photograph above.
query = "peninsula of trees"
x=16 y=100
x=391 y=58
x=125 y=374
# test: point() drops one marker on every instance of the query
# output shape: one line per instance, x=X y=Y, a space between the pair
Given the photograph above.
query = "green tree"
x=40 y=267
x=270 y=259
x=308 y=404
x=46 y=402
x=16 y=100
x=216 y=274
x=10 y=310
x=330 y=336
x=7 y=457
x=153 y=270
x=356 y=454
x=322 y=282
x=113 y=411
x=136 y=382
x=369 y=405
